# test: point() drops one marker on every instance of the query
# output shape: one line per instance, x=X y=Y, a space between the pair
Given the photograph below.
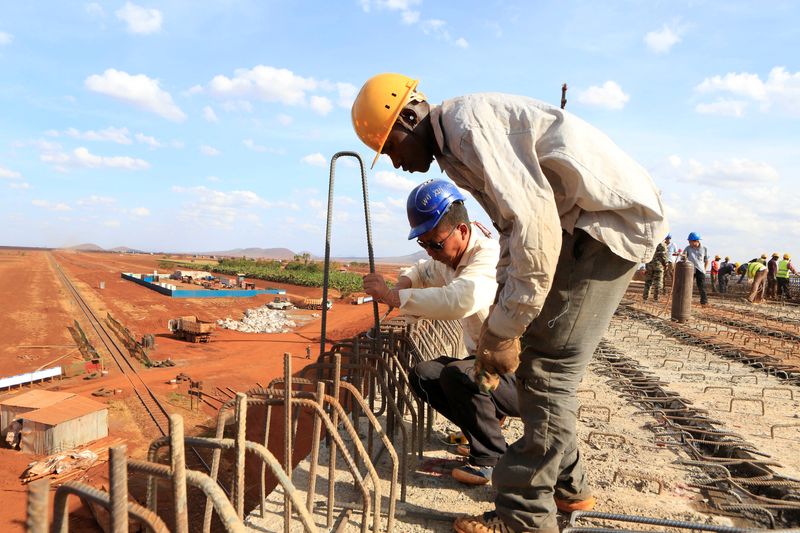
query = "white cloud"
x=111 y=223
x=780 y=92
x=140 y=19
x=213 y=179
x=347 y=94
x=209 y=150
x=5 y=38
x=462 y=43
x=393 y=181
x=209 y=115
x=96 y=200
x=110 y=134
x=266 y=83
x=140 y=212
x=661 y=41
x=744 y=173
x=609 y=96
x=285 y=120
x=222 y=209
x=138 y=90
x=52 y=206
x=94 y=9
x=19 y=185
x=81 y=157
x=242 y=106
x=150 y=141
x=6 y=173
x=410 y=17
x=315 y=160
x=249 y=143
x=321 y=105
x=724 y=107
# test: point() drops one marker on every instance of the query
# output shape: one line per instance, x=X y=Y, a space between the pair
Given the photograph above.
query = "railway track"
x=152 y=405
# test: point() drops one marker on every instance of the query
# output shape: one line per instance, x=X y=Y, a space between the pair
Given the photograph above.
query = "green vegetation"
x=302 y=272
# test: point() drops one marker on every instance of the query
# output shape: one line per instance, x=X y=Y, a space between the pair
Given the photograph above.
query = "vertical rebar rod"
x=315 y=438
x=239 y=449
x=287 y=428
x=337 y=376
x=37 y=519
x=119 y=488
x=178 y=470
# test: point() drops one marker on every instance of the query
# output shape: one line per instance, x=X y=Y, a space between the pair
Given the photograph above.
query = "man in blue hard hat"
x=456 y=283
x=576 y=215
x=697 y=255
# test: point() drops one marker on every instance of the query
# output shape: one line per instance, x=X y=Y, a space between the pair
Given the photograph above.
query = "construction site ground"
x=630 y=469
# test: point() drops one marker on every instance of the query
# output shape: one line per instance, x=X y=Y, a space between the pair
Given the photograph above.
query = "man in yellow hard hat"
x=784 y=267
x=576 y=215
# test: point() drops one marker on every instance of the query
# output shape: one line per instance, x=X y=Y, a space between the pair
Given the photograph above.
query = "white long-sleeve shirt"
x=439 y=292
x=536 y=170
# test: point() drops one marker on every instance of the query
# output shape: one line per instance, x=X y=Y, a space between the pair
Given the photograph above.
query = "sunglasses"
x=435 y=245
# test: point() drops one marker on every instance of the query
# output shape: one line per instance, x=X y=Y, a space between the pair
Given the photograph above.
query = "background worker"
x=726 y=270
x=456 y=283
x=672 y=256
x=576 y=215
x=742 y=271
x=784 y=267
x=714 y=273
x=772 y=276
x=757 y=271
x=697 y=255
x=654 y=272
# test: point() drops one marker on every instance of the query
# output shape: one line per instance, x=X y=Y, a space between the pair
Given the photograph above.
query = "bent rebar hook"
x=370 y=252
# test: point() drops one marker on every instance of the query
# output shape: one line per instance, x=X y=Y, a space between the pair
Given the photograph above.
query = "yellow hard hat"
x=787 y=256
x=763 y=256
x=377 y=107
x=775 y=254
x=727 y=258
x=736 y=265
x=716 y=257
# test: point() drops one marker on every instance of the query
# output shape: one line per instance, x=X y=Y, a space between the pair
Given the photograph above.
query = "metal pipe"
x=315 y=438
x=287 y=429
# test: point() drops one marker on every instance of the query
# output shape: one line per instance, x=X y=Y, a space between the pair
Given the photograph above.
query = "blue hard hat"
x=669 y=236
x=694 y=236
x=428 y=203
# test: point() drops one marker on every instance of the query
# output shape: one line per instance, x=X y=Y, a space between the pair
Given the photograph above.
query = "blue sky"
x=192 y=126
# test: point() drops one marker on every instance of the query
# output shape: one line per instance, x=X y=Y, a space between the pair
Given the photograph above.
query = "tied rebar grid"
x=740 y=480
x=699 y=335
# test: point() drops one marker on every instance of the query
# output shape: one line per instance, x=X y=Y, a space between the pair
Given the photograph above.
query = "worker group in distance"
x=769 y=277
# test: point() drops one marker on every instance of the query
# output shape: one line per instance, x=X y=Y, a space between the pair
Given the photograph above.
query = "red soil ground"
x=36 y=311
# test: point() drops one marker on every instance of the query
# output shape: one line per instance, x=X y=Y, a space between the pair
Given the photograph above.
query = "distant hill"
x=126 y=250
x=86 y=247
x=256 y=253
x=399 y=260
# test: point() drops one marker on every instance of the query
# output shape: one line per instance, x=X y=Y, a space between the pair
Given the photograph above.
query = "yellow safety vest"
x=783 y=269
x=754 y=268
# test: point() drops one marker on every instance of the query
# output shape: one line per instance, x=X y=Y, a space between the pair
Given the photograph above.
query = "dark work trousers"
x=700 y=279
x=783 y=288
x=772 y=285
x=448 y=385
x=723 y=283
x=589 y=282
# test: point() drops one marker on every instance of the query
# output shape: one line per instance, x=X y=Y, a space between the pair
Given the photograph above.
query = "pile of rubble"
x=260 y=320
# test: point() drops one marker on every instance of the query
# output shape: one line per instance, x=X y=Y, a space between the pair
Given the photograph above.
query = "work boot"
x=483 y=523
x=456 y=437
x=566 y=506
x=489 y=523
x=473 y=474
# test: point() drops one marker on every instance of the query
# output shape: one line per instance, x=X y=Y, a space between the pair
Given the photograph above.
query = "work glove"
x=495 y=356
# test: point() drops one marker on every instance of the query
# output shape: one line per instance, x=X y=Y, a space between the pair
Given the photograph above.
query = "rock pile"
x=260 y=320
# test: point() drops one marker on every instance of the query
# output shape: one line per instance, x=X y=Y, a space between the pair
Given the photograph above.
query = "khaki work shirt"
x=439 y=292
x=538 y=170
